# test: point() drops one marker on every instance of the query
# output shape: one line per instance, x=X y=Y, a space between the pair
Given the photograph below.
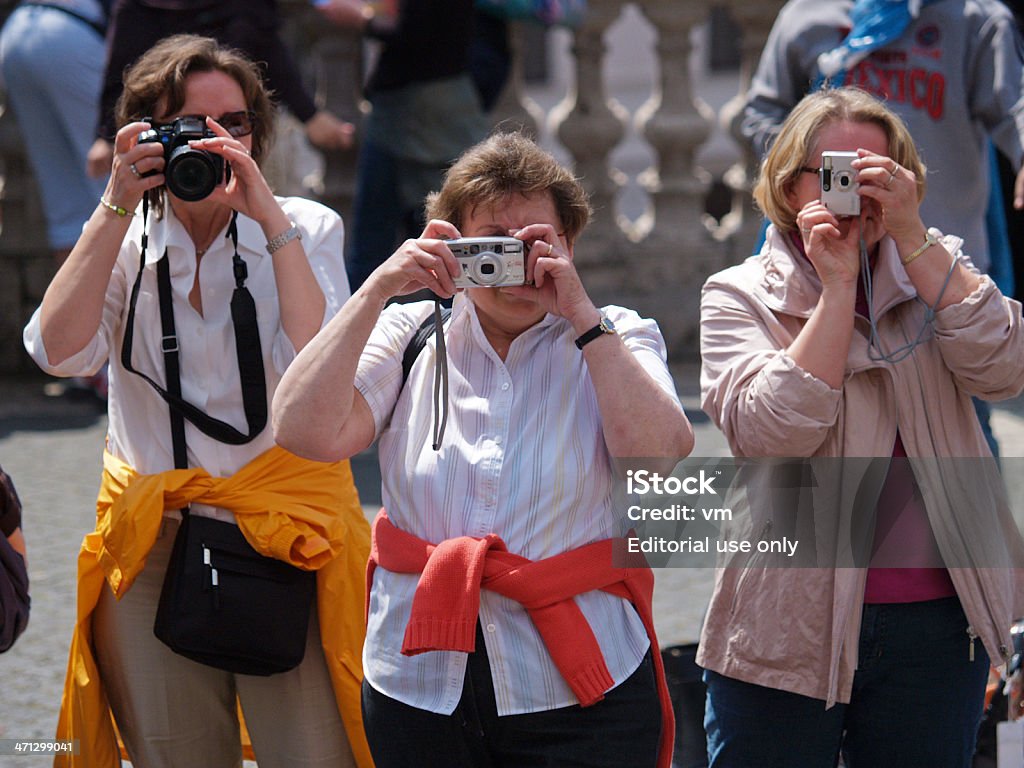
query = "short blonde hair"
x=798 y=134
x=509 y=164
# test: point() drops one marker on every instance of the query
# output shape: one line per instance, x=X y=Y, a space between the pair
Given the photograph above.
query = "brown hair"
x=159 y=75
x=797 y=137
x=507 y=164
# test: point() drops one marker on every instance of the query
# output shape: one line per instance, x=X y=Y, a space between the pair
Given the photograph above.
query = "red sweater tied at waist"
x=446 y=604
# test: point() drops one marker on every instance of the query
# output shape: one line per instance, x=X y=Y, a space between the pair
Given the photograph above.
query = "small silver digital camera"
x=839 y=186
x=489 y=262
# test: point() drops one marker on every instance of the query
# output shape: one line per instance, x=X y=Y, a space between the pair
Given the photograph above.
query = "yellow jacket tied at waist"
x=302 y=512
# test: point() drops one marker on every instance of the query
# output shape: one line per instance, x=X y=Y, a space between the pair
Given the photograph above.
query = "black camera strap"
x=247 y=347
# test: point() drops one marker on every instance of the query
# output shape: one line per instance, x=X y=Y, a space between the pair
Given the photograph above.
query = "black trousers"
x=621 y=731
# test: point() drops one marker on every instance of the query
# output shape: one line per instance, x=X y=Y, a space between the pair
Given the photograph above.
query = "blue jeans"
x=621 y=731
x=53 y=66
x=917 y=702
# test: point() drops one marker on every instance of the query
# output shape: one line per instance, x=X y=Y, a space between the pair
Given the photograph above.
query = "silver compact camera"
x=839 y=185
x=488 y=262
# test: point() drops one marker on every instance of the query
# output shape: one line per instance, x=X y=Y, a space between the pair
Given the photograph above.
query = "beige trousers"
x=173 y=712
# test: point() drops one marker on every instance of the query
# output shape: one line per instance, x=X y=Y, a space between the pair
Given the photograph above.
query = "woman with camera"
x=200 y=286
x=554 y=665
x=852 y=336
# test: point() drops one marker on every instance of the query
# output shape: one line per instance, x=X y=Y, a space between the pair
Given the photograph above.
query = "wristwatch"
x=603 y=327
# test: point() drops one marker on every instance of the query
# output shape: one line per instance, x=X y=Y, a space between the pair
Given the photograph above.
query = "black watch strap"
x=603 y=327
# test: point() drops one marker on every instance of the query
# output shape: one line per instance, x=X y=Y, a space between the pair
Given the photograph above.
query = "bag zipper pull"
x=973 y=635
x=207 y=567
x=216 y=592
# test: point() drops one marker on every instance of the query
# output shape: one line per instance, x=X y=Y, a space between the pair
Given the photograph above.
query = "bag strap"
x=434 y=324
x=419 y=341
x=247 y=348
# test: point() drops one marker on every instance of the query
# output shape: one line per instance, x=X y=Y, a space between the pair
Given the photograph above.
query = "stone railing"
x=654 y=262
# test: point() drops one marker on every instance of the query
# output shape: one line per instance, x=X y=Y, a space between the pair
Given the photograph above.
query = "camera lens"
x=488 y=269
x=192 y=174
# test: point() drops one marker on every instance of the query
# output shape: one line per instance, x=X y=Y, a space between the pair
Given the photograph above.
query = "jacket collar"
x=789 y=284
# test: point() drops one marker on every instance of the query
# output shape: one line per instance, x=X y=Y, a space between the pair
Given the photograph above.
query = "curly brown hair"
x=157 y=80
x=507 y=164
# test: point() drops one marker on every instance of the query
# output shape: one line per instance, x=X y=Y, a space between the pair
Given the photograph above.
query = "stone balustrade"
x=654 y=262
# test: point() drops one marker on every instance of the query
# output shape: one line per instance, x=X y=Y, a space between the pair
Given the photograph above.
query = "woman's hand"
x=551 y=277
x=423 y=262
x=128 y=181
x=831 y=244
x=328 y=132
x=246 y=191
x=894 y=188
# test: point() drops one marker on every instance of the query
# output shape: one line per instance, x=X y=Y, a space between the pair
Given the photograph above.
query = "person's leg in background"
x=377 y=216
x=52 y=67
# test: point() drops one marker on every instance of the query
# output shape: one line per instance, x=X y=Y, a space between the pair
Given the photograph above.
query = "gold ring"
x=551 y=249
x=889 y=182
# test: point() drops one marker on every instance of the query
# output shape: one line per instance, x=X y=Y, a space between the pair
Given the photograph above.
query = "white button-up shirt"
x=523 y=457
x=139 y=429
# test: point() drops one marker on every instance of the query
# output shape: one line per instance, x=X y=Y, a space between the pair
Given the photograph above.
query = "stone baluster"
x=515 y=110
x=590 y=125
x=676 y=124
x=742 y=224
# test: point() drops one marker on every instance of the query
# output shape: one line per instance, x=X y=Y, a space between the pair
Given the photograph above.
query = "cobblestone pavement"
x=52 y=448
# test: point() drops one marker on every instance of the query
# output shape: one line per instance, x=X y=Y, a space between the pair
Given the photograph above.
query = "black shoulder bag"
x=223 y=604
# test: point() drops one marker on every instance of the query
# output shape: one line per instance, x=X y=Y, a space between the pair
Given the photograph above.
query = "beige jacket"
x=797 y=629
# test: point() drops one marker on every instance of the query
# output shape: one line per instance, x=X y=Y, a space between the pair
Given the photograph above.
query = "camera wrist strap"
x=247 y=345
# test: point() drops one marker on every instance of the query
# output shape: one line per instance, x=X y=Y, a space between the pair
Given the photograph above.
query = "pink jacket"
x=797 y=629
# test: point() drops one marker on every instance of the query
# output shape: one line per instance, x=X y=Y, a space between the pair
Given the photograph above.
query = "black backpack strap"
x=419 y=341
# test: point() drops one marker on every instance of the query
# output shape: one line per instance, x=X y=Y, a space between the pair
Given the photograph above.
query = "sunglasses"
x=238 y=124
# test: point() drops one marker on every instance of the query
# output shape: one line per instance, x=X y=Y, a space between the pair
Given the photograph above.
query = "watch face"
x=607 y=326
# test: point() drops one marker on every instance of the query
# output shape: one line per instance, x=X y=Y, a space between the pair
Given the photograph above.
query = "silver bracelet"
x=280 y=241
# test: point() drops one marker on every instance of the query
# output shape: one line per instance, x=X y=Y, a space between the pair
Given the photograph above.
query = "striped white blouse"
x=523 y=457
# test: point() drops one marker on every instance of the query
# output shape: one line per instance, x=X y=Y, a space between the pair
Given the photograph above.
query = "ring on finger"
x=133 y=169
x=551 y=249
x=805 y=230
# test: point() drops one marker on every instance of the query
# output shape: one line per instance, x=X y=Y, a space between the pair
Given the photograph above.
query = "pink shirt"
x=903 y=535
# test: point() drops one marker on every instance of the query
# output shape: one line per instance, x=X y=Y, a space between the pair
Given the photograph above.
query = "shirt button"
x=497 y=440
x=491 y=628
x=505 y=386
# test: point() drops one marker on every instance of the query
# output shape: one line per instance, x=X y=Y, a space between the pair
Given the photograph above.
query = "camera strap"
x=924 y=333
x=247 y=347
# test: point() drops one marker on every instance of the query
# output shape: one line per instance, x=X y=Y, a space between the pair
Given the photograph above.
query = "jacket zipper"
x=974 y=636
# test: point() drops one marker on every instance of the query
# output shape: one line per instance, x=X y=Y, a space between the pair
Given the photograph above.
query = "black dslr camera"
x=191 y=174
